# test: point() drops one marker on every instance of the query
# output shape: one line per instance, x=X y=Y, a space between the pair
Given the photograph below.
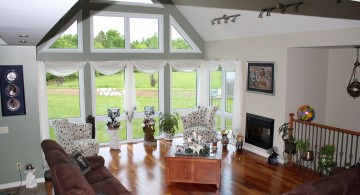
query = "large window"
x=64 y=91
x=183 y=90
x=125 y=32
x=221 y=95
x=109 y=93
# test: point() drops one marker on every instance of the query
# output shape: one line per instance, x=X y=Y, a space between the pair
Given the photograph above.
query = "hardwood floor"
x=141 y=170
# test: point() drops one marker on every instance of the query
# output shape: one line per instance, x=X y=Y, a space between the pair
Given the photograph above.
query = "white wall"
x=342 y=110
x=275 y=48
x=307 y=78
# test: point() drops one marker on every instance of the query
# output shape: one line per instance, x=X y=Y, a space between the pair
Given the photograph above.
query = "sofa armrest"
x=95 y=161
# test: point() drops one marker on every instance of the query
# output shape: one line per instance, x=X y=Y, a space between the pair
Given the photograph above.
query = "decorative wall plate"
x=12 y=90
x=13 y=104
x=11 y=76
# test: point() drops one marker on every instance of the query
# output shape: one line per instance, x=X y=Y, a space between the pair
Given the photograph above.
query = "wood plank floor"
x=141 y=170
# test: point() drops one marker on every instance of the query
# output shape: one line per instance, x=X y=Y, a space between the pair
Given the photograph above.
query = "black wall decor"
x=12 y=90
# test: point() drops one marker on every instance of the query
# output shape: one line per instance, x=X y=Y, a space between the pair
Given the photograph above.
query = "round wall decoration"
x=306 y=113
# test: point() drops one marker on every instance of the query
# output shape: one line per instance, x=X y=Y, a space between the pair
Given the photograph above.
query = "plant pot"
x=307 y=155
x=290 y=147
x=168 y=136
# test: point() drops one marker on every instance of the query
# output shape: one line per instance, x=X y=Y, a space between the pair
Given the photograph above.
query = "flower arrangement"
x=224 y=132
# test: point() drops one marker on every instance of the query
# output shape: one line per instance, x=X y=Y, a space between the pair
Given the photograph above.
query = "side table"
x=114 y=138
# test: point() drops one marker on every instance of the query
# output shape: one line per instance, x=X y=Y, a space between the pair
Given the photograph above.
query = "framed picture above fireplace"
x=260 y=77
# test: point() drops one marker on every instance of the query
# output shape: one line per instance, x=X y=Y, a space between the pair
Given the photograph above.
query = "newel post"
x=291 y=123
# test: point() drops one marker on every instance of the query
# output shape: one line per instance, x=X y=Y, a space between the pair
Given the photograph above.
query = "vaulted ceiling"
x=36 y=17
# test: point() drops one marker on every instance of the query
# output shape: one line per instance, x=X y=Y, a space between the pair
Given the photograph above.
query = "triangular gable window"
x=180 y=42
x=69 y=38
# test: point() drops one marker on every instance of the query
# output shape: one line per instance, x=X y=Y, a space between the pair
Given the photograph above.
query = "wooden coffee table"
x=193 y=169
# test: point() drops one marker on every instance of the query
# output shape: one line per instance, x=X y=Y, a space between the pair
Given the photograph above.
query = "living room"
x=310 y=68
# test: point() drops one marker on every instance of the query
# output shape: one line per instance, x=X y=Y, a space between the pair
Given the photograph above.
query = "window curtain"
x=42 y=99
x=64 y=68
x=204 y=82
x=149 y=66
x=108 y=67
x=130 y=94
x=185 y=65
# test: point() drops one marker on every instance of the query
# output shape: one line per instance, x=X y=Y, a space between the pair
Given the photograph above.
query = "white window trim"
x=127 y=17
x=47 y=49
x=195 y=48
x=156 y=3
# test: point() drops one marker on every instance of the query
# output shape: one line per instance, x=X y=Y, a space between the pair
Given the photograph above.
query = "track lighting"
x=226 y=19
x=281 y=8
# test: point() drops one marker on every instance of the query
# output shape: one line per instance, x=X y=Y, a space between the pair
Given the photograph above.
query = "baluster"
x=337 y=146
x=351 y=149
x=356 y=149
x=341 y=150
x=346 y=148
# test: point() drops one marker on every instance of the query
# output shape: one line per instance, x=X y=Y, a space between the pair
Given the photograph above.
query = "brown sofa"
x=67 y=178
x=345 y=182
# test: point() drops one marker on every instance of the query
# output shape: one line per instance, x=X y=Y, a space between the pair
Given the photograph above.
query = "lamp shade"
x=113 y=112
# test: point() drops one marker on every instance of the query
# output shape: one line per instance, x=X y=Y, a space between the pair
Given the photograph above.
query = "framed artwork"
x=260 y=77
x=12 y=90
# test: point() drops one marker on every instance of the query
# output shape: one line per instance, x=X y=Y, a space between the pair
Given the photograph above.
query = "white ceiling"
x=36 y=17
x=31 y=17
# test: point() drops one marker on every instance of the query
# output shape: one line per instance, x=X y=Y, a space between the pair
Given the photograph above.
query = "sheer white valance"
x=211 y=64
x=149 y=66
x=185 y=65
x=228 y=65
x=63 y=68
x=108 y=67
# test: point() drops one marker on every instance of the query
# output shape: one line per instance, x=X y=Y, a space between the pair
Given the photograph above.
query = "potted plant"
x=326 y=159
x=289 y=140
x=303 y=147
x=168 y=124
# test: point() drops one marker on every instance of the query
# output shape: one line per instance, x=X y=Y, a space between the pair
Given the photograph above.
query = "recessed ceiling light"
x=23 y=35
x=22 y=41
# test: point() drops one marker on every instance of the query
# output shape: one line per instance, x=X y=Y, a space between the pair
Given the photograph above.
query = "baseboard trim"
x=16 y=184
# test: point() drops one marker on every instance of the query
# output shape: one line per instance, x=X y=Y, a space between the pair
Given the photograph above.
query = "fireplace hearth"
x=259 y=131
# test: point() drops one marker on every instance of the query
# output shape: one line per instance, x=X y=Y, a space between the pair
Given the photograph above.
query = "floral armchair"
x=201 y=121
x=75 y=137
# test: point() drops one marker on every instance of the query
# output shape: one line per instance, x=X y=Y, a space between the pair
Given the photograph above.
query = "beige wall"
x=275 y=48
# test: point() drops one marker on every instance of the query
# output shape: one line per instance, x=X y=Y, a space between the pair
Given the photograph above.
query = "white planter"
x=168 y=136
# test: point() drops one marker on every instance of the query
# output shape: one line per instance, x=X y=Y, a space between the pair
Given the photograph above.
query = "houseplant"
x=168 y=124
x=326 y=159
x=289 y=140
x=303 y=147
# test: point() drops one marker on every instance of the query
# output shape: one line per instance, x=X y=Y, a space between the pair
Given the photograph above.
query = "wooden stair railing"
x=346 y=142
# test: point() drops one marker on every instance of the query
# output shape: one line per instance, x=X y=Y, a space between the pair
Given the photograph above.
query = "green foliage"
x=149 y=43
x=302 y=145
x=180 y=43
x=326 y=159
x=111 y=39
x=68 y=41
x=284 y=129
x=169 y=123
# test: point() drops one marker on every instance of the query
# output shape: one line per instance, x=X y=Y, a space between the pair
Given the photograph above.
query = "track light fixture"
x=281 y=8
x=226 y=19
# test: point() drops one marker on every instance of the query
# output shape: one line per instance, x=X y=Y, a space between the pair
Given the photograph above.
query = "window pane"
x=147 y=90
x=177 y=41
x=144 y=33
x=183 y=89
x=215 y=88
x=229 y=86
x=109 y=92
x=218 y=123
x=63 y=96
x=228 y=123
x=108 y=32
x=68 y=40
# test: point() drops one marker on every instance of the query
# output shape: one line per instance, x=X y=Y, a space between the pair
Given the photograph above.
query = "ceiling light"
x=268 y=12
x=353 y=87
x=23 y=35
x=226 y=19
x=22 y=41
x=281 y=8
x=261 y=14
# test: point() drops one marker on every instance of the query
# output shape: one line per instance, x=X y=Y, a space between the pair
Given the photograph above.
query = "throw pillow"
x=79 y=160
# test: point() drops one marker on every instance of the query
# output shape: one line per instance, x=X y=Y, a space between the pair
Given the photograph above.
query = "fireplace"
x=259 y=131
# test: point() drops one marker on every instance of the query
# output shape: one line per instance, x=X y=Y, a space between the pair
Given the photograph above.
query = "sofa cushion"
x=79 y=160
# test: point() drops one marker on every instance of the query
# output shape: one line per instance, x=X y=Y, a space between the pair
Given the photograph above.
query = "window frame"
x=127 y=24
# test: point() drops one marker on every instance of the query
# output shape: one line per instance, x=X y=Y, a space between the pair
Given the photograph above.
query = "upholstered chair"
x=201 y=121
x=75 y=137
